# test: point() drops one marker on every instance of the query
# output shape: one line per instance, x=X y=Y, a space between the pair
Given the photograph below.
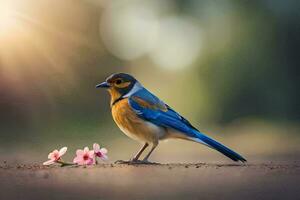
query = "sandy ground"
x=167 y=181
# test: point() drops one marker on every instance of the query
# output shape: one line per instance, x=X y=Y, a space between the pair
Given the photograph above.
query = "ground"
x=269 y=180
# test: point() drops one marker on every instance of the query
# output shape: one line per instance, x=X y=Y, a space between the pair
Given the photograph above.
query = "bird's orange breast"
x=133 y=126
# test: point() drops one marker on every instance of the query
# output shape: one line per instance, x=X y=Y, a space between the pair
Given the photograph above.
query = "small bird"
x=144 y=117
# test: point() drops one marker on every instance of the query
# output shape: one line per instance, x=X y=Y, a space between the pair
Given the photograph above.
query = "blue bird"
x=144 y=117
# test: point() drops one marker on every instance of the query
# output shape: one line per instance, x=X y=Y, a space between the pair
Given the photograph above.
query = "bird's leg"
x=145 y=160
x=136 y=157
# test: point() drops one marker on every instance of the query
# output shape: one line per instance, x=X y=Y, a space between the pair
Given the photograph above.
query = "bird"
x=143 y=117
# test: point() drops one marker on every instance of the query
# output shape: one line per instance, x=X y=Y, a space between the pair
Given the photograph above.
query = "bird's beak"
x=103 y=85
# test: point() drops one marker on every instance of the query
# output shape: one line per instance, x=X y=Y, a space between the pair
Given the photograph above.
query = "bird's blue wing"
x=151 y=108
x=151 y=99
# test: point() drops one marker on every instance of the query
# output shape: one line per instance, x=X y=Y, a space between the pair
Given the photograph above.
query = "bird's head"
x=118 y=85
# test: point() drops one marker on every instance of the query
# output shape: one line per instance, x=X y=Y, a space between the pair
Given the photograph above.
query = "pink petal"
x=91 y=154
x=89 y=161
x=53 y=156
x=96 y=147
x=55 y=151
x=62 y=151
x=77 y=159
x=86 y=150
x=49 y=162
x=104 y=157
x=50 y=155
x=103 y=150
x=79 y=152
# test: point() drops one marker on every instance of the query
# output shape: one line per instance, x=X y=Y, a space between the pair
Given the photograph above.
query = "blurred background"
x=230 y=67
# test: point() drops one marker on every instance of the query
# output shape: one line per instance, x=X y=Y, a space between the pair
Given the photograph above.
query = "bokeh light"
x=129 y=30
x=178 y=44
x=134 y=29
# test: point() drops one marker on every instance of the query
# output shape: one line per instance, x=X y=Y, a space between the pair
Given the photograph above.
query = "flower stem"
x=63 y=164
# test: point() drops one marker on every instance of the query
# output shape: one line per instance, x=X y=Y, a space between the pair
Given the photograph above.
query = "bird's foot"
x=122 y=161
x=135 y=162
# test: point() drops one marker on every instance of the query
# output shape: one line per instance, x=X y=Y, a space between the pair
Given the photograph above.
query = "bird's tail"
x=201 y=138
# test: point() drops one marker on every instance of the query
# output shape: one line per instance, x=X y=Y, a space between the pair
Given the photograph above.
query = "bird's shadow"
x=136 y=162
x=141 y=162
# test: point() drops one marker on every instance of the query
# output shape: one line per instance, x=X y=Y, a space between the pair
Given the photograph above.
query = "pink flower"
x=101 y=153
x=55 y=156
x=84 y=157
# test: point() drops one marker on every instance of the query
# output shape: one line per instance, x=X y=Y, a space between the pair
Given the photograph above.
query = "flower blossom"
x=84 y=157
x=101 y=153
x=55 y=156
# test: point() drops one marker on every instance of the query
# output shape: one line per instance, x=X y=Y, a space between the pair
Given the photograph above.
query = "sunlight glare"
x=8 y=20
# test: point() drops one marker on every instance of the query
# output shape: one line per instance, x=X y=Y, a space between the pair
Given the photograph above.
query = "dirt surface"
x=166 y=181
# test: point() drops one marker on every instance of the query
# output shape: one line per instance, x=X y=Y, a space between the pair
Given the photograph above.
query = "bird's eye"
x=119 y=81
